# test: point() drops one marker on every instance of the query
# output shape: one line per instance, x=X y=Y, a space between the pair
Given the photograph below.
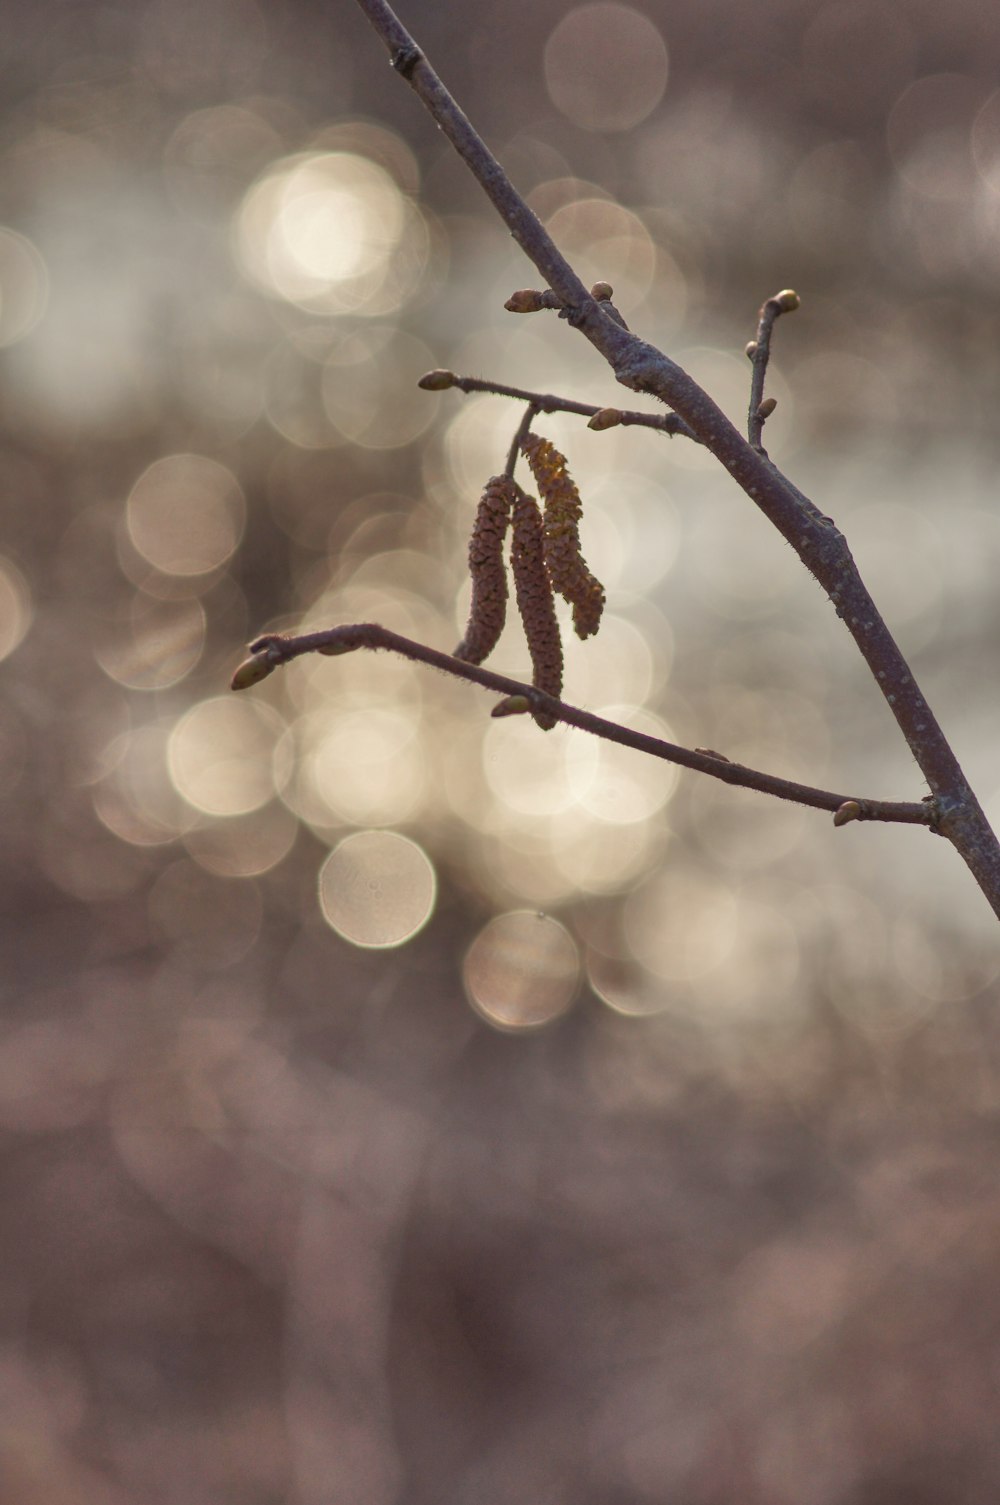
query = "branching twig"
x=759 y=351
x=274 y=649
x=547 y=402
x=523 y=430
x=956 y=813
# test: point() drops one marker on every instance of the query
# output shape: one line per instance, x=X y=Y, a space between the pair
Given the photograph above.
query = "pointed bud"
x=527 y=300
x=848 y=811
x=606 y=418
x=437 y=381
x=514 y=705
x=252 y=671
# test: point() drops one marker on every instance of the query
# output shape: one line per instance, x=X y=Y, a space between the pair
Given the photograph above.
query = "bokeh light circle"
x=522 y=970
x=364 y=765
x=606 y=67
x=24 y=287
x=377 y=889
x=331 y=232
x=185 y=514
x=161 y=643
x=369 y=387
x=221 y=755
x=16 y=609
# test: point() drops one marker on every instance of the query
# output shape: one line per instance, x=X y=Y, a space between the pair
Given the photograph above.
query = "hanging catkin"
x=564 y=561
x=534 y=600
x=489 y=575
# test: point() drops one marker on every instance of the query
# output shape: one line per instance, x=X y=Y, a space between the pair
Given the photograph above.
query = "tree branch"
x=547 y=402
x=274 y=649
x=817 y=542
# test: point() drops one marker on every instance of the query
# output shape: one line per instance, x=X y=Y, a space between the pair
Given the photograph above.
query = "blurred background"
x=399 y=1105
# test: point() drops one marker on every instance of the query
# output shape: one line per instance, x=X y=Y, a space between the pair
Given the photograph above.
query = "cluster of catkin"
x=545 y=560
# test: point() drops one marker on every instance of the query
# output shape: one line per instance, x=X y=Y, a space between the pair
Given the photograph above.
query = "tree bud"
x=437 y=381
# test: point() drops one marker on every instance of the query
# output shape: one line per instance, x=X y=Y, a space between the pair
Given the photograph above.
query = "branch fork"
x=951 y=808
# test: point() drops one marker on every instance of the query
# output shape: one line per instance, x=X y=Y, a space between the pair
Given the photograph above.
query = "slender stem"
x=642 y=368
x=523 y=429
x=759 y=351
x=275 y=649
x=548 y=402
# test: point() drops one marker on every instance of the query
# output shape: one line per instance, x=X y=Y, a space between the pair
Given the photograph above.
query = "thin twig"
x=274 y=649
x=759 y=351
x=523 y=429
x=548 y=402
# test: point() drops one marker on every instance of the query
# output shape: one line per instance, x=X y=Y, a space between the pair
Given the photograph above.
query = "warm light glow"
x=244 y=845
x=331 y=232
x=365 y=765
x=604 y=240
x=186 y=514
x=521 y=971
x=160 y=642
x=606 y=67
x=24 y=287
x=377 y=889
x=222 y=755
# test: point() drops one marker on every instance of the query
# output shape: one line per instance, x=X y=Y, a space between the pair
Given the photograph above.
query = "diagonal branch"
x=817 y=542
x=274 y=649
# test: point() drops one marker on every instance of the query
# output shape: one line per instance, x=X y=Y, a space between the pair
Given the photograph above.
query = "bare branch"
x=547 y=402
x=274 y=649
x=759 y=351
x=817 y=542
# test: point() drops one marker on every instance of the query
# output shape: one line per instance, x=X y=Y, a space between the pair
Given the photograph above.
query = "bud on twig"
x=606 y=418
x=437 y=381
x=527 y=300
x=252 y=671
x=513 y=705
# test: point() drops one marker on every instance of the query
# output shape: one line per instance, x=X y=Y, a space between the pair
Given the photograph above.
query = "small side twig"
x=759 y=351
x=548 y=402
x=274 y=649
x=523 y=430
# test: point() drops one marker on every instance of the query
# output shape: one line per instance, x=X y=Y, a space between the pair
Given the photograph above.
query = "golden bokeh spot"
x=377 y=889
x=331 y=233
x=522 y=971
x=606 y=67
x=222 y=755
x=186 y=514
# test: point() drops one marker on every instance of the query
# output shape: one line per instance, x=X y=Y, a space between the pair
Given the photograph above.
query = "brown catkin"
x=489 y=576
x=534 y=600
x=563 y=558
